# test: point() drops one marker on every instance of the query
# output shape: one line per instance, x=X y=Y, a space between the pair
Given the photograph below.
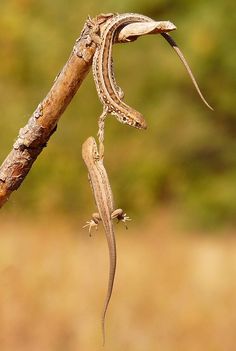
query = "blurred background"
x=175 y=287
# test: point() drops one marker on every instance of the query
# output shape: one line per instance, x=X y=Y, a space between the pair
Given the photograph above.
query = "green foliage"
x=186 y=158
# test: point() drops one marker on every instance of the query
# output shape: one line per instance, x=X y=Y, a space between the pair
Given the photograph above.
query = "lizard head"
x=89 y=149
x=127 y=115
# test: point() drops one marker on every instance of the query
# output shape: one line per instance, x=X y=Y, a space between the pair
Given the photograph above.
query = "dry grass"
x=173 y=290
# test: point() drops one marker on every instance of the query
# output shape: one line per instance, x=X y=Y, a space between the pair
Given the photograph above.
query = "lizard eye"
x=95 y=155
x=124 y=119
x=137 y=125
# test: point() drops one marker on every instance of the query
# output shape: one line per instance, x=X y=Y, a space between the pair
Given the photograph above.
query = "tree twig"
x=41 y=125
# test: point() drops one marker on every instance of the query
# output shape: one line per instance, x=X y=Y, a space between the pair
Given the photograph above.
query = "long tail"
x=182 y=58
x=112 y=271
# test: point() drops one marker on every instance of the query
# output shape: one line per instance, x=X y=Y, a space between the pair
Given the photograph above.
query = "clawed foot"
x=125 y=219
x=92 y=223
x=121 y=216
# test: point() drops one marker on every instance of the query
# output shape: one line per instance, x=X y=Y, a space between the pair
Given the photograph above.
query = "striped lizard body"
x=104 y=201
x=109 y=93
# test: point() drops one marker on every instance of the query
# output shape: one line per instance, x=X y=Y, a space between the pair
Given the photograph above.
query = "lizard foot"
x=121 y=216
x=92 y=223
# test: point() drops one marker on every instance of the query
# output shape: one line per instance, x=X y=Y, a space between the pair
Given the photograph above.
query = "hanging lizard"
x=104 y=201
x=109 y=93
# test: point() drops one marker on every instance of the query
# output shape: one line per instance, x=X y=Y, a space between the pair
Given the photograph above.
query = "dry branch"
x=41 y=125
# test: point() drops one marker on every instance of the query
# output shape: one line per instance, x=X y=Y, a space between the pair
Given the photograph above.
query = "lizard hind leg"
x=117 y=89
x=121 y=216
x=101 y=131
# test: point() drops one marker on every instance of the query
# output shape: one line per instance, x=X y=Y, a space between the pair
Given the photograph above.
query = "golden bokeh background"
x=175 y=285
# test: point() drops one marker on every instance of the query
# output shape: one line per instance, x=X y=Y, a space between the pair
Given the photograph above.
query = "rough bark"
x=34 y=136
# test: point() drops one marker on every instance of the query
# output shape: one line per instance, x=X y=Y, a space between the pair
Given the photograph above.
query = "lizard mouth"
x=139 y=125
